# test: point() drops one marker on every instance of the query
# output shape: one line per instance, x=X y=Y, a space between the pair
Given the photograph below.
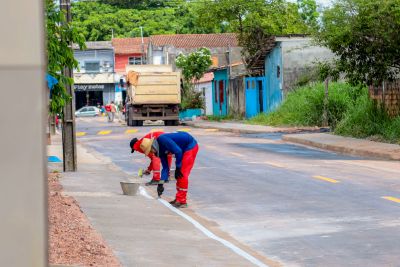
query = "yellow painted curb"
x=184 y=130
x=326 y=179
x=157 y=130
x=80 y=134
x=211 y=130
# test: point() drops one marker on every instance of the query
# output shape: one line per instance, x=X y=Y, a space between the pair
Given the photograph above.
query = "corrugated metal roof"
x=96 y=45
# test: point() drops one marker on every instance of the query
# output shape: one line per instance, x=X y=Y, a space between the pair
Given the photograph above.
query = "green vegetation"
x=220 y=118
x=96 y=20
x=59 y=55
x=365 y=36
x=193 y=66
x=350 y=112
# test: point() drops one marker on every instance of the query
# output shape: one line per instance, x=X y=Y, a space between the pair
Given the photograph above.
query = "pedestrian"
x=155 y=163
x=120 y=111
x=185 y=149
x=113 y=111
x=108 y=110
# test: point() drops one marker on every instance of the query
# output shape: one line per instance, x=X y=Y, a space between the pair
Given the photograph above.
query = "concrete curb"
x=249 y=130
x=345 y=148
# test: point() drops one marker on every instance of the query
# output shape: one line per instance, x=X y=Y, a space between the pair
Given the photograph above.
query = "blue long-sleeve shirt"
x=173 y=143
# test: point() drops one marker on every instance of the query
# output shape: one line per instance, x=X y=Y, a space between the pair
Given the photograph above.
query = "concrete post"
x=23 y=182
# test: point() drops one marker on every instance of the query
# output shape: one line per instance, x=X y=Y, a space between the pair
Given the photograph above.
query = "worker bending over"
x=185 y=149
x=155 y=164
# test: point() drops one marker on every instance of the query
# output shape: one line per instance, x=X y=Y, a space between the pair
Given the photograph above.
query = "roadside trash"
x=130 y=188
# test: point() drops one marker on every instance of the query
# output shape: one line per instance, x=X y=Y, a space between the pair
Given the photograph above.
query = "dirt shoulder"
x=72 y=240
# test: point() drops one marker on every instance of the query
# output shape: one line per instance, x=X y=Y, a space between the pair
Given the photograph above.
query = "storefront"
x=93 y=94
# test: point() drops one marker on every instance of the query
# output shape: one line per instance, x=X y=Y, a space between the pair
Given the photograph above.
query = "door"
x=255 y=91
x=220 y=98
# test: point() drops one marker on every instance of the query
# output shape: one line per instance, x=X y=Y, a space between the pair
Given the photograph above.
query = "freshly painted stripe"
x=104 y=132
x=237 y=154
x=394 y=199
x=80 y=134
x=274 y=164
x=157 y=130
x=326 y=179
x=211 y=130
x=184 y=130
x=130 y=131
x=211 y=235
x=53 y=159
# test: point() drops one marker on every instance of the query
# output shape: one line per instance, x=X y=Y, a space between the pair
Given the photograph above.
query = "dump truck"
x=153 y=93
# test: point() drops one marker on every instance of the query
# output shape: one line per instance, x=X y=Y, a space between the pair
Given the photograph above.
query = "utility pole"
x=68 y=130
x=141 y=33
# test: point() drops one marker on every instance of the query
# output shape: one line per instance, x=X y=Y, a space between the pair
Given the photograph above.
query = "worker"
x=185 y=149
x=154 y=165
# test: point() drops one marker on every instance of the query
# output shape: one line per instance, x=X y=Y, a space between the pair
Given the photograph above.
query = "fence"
x=237 y=103
x=389 y=94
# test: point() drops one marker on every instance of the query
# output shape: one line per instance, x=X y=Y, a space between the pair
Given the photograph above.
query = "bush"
x=305 y=106
x=366 y=119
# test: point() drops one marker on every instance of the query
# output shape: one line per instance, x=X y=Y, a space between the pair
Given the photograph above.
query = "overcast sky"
x=319 y=2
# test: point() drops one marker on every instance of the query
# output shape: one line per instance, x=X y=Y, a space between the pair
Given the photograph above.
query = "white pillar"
x=23 y=182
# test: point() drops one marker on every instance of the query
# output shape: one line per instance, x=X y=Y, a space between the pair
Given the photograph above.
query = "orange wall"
x=122 y=60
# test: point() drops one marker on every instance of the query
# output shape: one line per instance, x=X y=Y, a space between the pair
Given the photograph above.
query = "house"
x=205 y=86
x=94 y=79
x=128 y=51
x=287 y=60
x=226 y=58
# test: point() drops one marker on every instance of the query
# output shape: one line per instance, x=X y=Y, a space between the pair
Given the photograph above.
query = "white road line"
x=205 y=231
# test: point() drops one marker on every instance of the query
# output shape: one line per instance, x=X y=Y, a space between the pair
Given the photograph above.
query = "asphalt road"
x=295 y=205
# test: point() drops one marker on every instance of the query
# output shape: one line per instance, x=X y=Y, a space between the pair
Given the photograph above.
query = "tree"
x=59 y=54
x=308 y=12
x=193 y=66
x=365 y=36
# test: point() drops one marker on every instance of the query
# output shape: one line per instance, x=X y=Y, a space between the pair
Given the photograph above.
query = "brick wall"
x=391 y=97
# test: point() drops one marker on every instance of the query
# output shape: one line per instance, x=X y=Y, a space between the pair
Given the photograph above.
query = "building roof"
x=96 y=45
x=195 y=40
x=130 y=45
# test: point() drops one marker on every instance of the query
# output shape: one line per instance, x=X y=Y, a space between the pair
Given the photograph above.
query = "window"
x=135 y=61
x=106 y=65
x=92 y=66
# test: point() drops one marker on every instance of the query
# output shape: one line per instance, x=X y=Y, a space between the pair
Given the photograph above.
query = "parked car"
x=89 y=111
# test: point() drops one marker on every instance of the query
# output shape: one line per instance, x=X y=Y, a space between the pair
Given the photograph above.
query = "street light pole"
x=141 y=33
x=68 y=130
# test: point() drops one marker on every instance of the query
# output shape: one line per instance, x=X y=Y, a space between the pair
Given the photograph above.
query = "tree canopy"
x=365 y=35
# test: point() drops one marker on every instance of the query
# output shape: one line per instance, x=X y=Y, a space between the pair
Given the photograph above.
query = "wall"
x=206 y=88
x=391 y=97
x=103 y=55
x=298 y=56
x=23 y=174
x=236 y=97
x=122 y=60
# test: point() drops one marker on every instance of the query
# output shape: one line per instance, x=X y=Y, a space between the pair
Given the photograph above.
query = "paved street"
x=291 y=204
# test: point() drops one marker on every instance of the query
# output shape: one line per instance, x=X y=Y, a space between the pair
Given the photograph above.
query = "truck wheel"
x=133 y=123
x=167 y=123
x=139 y=123
x=175 y=122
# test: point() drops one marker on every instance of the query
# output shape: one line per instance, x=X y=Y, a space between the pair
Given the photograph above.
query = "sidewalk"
x=141 y=230
x=237 y=127
x=347 y=145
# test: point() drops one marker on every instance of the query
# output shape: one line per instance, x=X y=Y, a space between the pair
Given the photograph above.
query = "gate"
x=220 y=98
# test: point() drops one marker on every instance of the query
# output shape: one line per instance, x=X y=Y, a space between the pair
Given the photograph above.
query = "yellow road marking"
x=104 y=132
x=326 y=179
x=131 y=131
x=274 y=164
x=211 y=130
x=394 y=199
x=237 y=154
x=80 y=134
x=157 y=130
x=184 y=130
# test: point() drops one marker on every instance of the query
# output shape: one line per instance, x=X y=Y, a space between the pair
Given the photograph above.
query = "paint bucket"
x=130 y=188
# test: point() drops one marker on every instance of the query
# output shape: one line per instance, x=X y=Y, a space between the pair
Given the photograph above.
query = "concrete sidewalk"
x=237 y=127
x=347 y=145
x=141 y=230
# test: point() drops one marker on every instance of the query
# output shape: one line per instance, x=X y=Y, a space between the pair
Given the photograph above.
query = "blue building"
x=285 y=63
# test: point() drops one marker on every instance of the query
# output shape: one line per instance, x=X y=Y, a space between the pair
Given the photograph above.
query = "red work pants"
x=188 y=160
x=155 y=166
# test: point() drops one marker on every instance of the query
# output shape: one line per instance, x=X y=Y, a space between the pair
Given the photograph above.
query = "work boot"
x=179 y=205
x=152 y=182
x=172 y=202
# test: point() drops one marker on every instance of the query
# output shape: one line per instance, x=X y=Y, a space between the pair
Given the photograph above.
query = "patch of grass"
x=305 y=105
